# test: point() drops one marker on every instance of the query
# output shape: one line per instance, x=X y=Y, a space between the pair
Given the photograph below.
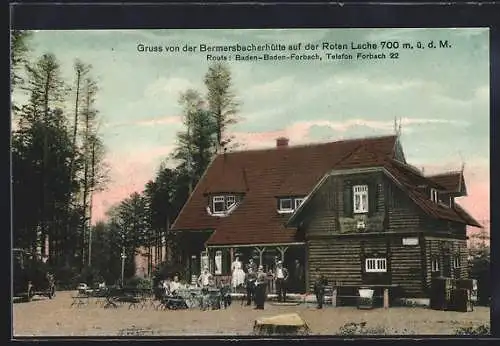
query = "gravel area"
x=56 y=317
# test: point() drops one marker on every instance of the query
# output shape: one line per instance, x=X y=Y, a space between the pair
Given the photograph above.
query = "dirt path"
x=44 y=317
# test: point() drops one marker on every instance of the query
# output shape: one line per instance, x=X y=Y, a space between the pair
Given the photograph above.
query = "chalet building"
x=354 y=208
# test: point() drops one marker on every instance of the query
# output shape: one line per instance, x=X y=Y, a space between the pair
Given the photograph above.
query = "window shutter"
x=348 y=203
x=372 y=198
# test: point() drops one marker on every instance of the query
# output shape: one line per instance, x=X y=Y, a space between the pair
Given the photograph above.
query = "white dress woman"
x=238 y=276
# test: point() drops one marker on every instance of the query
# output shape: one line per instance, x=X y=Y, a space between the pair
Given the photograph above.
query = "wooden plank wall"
x=324 y=209
x=407 y=268
x=457 y=247
x=402 y=214
x=338 y=260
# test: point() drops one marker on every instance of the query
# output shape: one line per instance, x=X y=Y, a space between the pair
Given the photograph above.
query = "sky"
x=441 y=96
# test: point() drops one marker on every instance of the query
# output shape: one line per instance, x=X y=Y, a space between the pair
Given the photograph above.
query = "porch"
x=220 y=258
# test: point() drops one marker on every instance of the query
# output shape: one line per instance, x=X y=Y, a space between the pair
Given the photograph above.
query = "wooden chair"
x=330 y=297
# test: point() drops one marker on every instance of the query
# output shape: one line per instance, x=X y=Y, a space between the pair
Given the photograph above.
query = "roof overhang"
x=293 y=220
x=178 y=231
x=255 y=245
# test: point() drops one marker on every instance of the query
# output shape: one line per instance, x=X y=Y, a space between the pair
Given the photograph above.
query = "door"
x=446 y=265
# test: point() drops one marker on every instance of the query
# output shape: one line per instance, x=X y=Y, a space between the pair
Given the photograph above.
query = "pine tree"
x=222 y=102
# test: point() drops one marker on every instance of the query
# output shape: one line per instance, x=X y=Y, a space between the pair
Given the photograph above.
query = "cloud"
x=167 y=120
x=168 y=88
x=170 y=120
x=300 y=132
x=270 y=89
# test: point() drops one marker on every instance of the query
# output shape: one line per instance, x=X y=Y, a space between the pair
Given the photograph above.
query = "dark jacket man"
x=319 y=288
x=281 y=277
x=250 y=279
x=260 y=290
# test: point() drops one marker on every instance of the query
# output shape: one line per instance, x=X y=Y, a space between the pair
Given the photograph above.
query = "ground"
x=56 y=317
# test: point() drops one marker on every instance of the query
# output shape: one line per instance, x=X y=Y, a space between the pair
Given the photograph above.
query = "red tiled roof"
x=466 y=216
x=410 y=180
x=451 y=181
x=265 y=174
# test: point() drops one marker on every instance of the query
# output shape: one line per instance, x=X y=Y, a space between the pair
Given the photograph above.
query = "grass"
x=480 y=330
x=362 y=328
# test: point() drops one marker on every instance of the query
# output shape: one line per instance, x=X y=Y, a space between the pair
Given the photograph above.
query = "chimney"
x=282 y=142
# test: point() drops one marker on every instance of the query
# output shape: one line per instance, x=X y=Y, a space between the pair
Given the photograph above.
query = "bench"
x=351 y=292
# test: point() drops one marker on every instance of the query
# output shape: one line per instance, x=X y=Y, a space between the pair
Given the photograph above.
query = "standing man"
x=260 y=291
x=251 y=264
x=281 y=276
x=250 y=279
x=319 y=288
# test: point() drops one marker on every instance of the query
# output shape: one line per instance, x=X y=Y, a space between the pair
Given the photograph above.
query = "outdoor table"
x=79 y=300
x=214 y=299
x=110 y=303
x=99 y=295
x=111 y=296
x=192 y=295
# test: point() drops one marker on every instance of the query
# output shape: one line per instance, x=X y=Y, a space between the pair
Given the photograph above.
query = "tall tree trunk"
x=86 y=171
x=71 y=173
x=91 y=192
x=190 y=158
x=45 y=149
x=168 y=242
x=75 y=124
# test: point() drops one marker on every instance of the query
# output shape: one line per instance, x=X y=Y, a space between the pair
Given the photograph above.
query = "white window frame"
x=286 y=209
x=218 y=199
x=298 y=202
x=435 y=265
x=456 y=262
x=434 y=195
x=230 y=201
x=360 y=191
x=376 y=265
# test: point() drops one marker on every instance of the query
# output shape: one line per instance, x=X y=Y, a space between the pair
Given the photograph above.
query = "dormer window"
x=298 y=202
x=218 y=205
x=286 y=205
x=434 y=196
x=222 y=205
x=230 y=201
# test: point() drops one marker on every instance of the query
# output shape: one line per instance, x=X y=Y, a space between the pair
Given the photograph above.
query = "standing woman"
x=260 y=292
x=238 y=275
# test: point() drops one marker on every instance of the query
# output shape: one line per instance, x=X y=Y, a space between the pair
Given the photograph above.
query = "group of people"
x=256 y=283
x=169 y=287
x=255 y=280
